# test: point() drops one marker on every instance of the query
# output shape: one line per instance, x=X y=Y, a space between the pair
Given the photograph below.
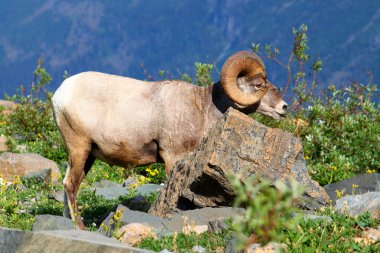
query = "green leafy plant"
x=203 y=74
x=298 y=78
x=181 y=242
x=32 y=123
x=339 y=129
x=268 y=208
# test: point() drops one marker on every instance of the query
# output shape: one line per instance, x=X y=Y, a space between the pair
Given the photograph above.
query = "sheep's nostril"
x=285 y=107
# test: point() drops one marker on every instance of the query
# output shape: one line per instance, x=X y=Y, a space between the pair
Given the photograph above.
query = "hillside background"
x=117 y=36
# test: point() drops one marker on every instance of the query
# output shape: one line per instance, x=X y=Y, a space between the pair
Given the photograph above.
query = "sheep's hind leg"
x=80 y=162
x=89 y=162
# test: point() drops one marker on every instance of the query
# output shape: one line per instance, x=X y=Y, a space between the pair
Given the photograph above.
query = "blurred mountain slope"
x=117 y=36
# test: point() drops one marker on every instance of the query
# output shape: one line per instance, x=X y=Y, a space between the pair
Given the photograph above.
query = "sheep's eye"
x=259 y=85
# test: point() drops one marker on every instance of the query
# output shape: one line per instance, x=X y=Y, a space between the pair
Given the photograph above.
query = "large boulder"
x=73 y=241
x=7 y=107
x=29 y=164
x=236 y=145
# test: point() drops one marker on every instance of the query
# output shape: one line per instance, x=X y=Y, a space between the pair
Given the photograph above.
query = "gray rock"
x=129 y=181
x=354 y=205
x=146 y=189
x=231 y=246
x=163 y=226
x=165 y=251
x=58 y=195
x=18 y=187
x=129 y=216
x=325 y=219
x=56 y=241
x=218 y=225
x=366 y=182
x=201 y=216
x=138 y=203
x=111 y=193
x=198 y=249
x=21 y=148
x=39 y=176
x=240 y=146
x=52 y=222
x=105 y=184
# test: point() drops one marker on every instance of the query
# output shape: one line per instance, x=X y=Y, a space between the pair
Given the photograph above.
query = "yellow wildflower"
x=339 y=194
x=119 y=213
x=354 y=186
x=104 y=227
x=371 y=171
x=307 y=158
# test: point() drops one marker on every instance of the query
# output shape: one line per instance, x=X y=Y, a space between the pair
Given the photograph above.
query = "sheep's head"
x=244 y=81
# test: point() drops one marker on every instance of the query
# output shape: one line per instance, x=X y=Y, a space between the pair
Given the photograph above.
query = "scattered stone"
x=240 y=146
x=105 y=184
x=138 y=203
x=12 y=165
x=201 y=216
x=60 y=241
x=218 y=225
x=129 y=182
x=231 y=246
x=198 y=249
x=163 y=226
x=269 y=248
x=165 y=251
x=3 y=143
x=7 y=107
x=52 y=222
x=354 y=205
x=58 y=195
x=147 y=189
x=369 y=237
x=18 y=187
x=21 y=148
x=129 y=216
x=373 y=234
x=39 y=176
x=324 y=218
x=197 y=229
x=111 y=193
x=134 y=233
x=363 y=183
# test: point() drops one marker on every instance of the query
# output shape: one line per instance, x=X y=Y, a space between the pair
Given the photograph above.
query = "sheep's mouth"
x=277 y=115
x=282 y=115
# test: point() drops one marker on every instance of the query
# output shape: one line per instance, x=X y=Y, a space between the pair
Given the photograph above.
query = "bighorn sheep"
x=124 y=121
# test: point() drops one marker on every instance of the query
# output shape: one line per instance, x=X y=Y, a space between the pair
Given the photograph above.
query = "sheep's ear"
x=242 y=64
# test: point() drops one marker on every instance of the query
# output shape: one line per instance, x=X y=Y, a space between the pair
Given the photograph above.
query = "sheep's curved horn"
x=242 y=64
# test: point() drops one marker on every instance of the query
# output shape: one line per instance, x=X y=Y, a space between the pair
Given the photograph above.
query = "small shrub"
x=203 y=74
x=268 y=209
x=340 y=129
x=32 y=122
